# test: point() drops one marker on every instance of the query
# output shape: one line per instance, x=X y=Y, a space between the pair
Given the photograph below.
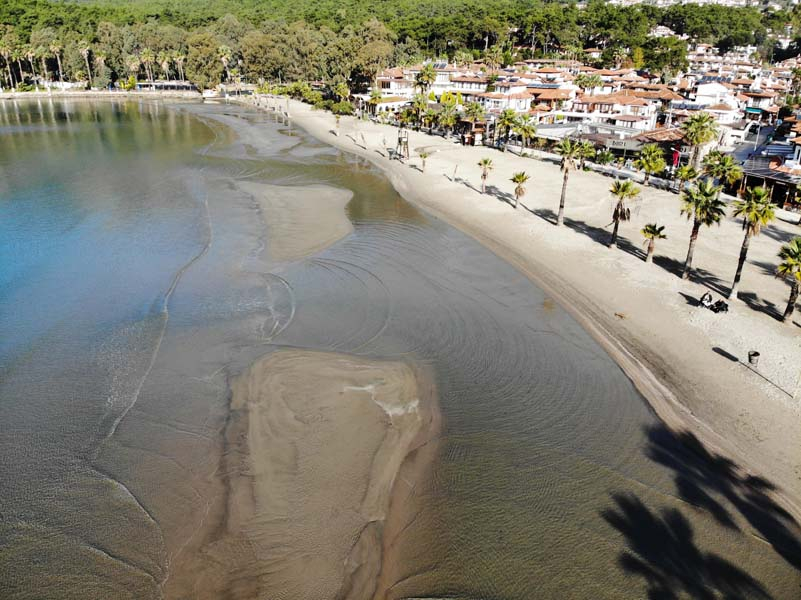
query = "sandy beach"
x=689 y=363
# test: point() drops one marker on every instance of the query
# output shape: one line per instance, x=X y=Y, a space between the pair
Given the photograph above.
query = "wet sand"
x=301 y=220
x=319 y=440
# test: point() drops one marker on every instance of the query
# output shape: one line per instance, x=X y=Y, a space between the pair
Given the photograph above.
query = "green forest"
x=209 y=41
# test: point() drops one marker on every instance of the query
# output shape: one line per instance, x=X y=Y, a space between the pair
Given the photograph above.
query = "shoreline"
x=98 y=95
x=654 y=378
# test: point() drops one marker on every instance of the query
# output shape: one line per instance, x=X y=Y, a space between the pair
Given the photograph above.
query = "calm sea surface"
x=135 y=276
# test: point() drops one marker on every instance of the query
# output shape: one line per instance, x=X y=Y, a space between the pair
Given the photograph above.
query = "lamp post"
x=759 y=128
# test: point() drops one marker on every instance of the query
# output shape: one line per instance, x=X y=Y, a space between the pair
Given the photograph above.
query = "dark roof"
x=759 y=166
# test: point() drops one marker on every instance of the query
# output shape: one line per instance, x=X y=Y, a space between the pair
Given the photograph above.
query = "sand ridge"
x=301 y=220
x=319 y=440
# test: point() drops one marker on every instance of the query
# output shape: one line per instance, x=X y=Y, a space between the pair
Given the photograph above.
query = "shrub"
x=312 y=97
x=342 y=108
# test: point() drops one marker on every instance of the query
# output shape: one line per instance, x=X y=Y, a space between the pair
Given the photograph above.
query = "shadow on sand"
x=663 y=551
x=661 y=546
x=719 y=486
x=600 y=235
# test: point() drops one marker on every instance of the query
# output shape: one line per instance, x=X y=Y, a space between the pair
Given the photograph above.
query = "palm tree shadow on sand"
x=662 y=548
x=663 y=551
x=600 y=235
x=719 y=486
x=496 y=192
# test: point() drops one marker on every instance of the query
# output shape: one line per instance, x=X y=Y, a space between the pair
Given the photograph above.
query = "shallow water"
x=135 y=277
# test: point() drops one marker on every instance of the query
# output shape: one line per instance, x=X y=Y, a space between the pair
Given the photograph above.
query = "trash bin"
x=753 y=358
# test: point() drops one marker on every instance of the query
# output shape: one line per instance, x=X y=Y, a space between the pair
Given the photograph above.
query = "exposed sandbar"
x=301 y=220
x=322 y=438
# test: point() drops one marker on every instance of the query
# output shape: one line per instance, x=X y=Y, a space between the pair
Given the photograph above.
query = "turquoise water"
x=135 y=277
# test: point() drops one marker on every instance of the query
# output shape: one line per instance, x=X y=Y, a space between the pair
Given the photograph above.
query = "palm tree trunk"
x=613 y=240
x=10 y=74
x=33 y=72
x=649 y=256
x=484 y=185
x=740 y=263
x=60 y=72
x=88 y=69
x=560 y=218
x=788 y=312
x=688 y=263
x=647 y=176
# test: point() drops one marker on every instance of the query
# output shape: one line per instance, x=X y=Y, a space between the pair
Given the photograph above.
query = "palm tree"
x=163 y=60
x=701 y=204
x=486 y=166
x=148 y=58
x=790 y=270
x=506 y=121
x=684 y=174
x=586 y=150
x=178 y=58
x=570 y=152
x=722 y=167
x=340 y=90
x=426 y=77
x=17 y=54
x=375 y=99
x=623 y=191
x=423 y=156
x=225 y=54
x=42 y=53
x=30 y=55
x=493 y=58
x=462 y=58
x=85 y=49
x=604 y=157
x=55 y=50
x=447 y=118
x=651 y=160
x=419 y=105
x=519 y=179
x=6 y=51
x=587 y=81
x=757 y=211
x=100 y=61
x=429 y=119
x=699 y=129
x=652 y=232
x=474 y=112
x=525 y=128
x=132 y=63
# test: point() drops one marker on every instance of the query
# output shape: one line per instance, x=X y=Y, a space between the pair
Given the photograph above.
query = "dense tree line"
x=209 y=41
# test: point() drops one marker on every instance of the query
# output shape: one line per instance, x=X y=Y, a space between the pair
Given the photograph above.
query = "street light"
x=759 y=128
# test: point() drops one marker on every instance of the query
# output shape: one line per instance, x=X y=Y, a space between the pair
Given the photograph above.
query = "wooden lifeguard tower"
x=402 y=149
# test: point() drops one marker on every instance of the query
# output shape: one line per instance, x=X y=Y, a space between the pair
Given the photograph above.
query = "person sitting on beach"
x=706 y=300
